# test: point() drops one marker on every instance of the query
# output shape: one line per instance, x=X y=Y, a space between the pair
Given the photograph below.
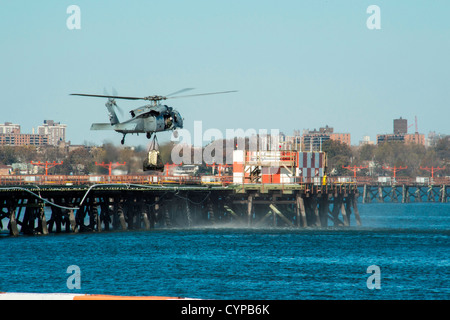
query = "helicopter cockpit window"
x=168 y=121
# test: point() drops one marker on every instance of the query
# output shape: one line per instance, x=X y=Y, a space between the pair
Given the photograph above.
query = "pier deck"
x=44 y=209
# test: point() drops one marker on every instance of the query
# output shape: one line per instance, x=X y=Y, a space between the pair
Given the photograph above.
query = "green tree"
x=442 y=149
x=367 y=152
x=7 y=155
x=338 y=154
x=26 y=154
x=79 y=162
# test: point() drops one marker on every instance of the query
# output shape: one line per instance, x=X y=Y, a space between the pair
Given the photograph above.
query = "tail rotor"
x=112 y=101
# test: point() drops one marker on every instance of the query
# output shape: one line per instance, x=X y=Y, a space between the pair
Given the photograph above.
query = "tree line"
x=389 y=154
x=81 y=161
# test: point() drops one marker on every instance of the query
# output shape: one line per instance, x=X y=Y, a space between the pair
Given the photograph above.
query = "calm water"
x=409 y=242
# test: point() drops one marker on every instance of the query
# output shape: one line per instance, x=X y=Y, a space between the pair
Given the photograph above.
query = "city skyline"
x=55 y=132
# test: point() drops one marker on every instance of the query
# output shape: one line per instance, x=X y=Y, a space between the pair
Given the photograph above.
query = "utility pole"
x=354 y=169
x=432 y=170
x=168 y=166
x=110 y=165
x=219 y=167
x=47 y=165
x=395 y=169
x=213 y=166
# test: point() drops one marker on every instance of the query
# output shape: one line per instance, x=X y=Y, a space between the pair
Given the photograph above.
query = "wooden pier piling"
x=301 y=208
x=250 y=209
x=13 y=230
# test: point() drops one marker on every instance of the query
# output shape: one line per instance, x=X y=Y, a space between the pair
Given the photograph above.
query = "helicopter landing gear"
x=149 y=135
x=123 y=139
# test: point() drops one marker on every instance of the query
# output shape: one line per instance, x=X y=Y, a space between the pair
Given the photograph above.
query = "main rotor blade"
x=150 y=98
x=106 y=96
x=201 y=94
x=179 y=91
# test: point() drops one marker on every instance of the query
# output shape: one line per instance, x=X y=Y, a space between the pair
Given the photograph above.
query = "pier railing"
x=8 y=180
x=386 y=181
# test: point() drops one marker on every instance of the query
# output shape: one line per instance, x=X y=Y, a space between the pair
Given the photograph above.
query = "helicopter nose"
x=178 y=120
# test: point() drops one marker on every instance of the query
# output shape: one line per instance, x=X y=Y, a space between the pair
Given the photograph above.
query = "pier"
x=31 y=205
x=404 y=190
x=405 y=193
x=44 y=209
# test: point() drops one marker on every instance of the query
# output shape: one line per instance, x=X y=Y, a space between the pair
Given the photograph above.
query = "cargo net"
x=153 y=162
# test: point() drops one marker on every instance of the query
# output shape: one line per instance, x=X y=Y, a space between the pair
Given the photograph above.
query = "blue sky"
x=296 y=64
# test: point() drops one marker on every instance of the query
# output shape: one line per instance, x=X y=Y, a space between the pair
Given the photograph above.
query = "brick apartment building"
x=49 y=133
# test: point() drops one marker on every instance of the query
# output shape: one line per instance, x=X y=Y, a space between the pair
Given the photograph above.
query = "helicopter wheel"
x=123 y=140
x=149 y=135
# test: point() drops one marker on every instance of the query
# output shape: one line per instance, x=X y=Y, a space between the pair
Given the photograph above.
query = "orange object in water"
x=70 y=296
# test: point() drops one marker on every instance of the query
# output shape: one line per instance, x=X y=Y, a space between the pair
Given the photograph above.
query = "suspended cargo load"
x=153 y=162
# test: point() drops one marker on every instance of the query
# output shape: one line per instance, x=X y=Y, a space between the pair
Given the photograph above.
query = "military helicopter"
x=147 y=119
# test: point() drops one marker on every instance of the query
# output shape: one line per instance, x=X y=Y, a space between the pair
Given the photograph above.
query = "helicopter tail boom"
x=102 y=126
x=119 y=127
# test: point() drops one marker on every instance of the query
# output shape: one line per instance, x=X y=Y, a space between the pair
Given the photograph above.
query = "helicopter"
x=148 y=119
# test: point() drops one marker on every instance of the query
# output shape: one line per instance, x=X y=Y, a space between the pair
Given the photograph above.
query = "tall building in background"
x=55 y=130
x=400 y=126
x=401 y=134
x=50 y=133
x=310 y=140
x=366 y=140
x=10 y=135
x=9 y=128
x=313 y=139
